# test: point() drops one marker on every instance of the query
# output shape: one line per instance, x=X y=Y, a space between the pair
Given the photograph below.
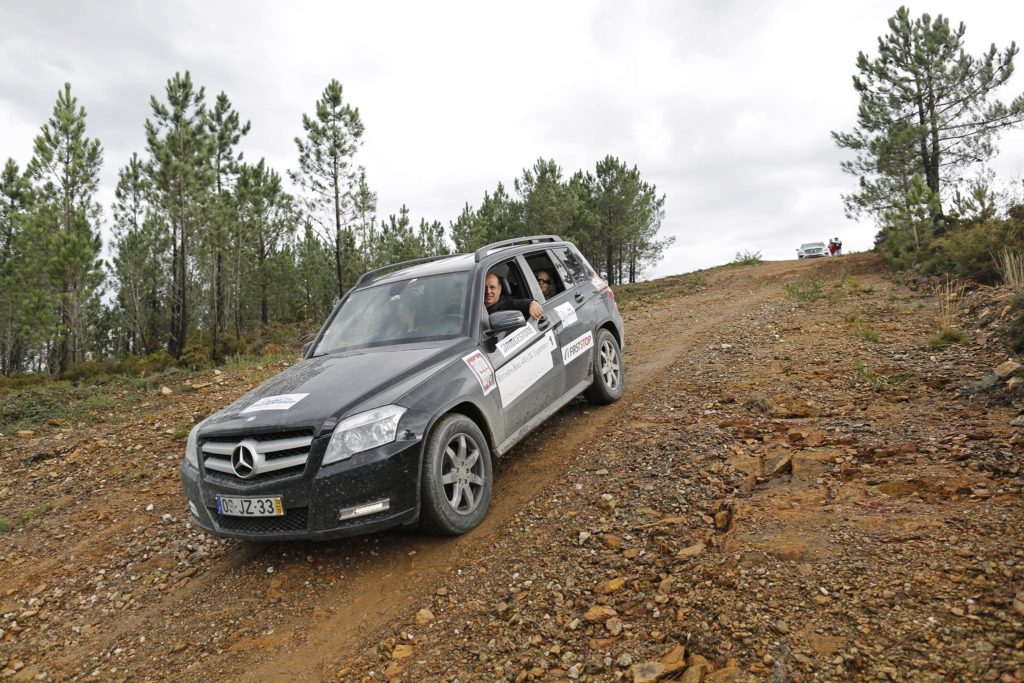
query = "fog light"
x=361 y=510
x=193 y=508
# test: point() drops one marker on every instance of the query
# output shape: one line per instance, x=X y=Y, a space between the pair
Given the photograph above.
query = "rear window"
x=576 y=268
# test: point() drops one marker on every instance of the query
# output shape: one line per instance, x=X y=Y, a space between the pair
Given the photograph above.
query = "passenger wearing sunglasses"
x=547 y=287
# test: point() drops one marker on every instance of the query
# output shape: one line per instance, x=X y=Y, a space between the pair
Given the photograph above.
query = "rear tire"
x=609 y=373
x=456 y=482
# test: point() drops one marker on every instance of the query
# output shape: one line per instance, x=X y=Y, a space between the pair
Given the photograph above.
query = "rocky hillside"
x=801 y=483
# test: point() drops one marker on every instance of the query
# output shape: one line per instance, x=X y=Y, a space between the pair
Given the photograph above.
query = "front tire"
x=457 y=477
x=609 y=374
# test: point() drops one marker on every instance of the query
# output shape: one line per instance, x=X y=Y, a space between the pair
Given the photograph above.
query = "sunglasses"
x=543 y=281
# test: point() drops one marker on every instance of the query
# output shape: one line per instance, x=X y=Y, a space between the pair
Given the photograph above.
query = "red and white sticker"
x=282 y=402
x=577 y=347
x=482 y=370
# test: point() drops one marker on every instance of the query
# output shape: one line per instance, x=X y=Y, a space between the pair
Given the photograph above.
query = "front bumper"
x=314 y=499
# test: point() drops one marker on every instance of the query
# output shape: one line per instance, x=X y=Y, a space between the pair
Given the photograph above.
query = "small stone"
x=624 y=660
x=647 y=672
x=780 y=627
x=583 y=537
x=402 y=651
x=691 y=551
x=675 y=659
x=1004 y=370
x=600 y=614
x=611 y=541
x=25 y=433
x=149 y=508
x=614 y=626
x=166 y=391
x=424 y=616
x=610 y=586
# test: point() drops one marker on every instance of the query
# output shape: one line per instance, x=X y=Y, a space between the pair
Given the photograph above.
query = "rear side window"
x=543 y=268
x=576 y=268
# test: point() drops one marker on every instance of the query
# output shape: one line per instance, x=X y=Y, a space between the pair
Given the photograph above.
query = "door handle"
x=578 y=297
x=543 y=323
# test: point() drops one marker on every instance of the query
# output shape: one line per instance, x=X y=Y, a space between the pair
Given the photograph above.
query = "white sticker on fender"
x=567 y=312
x=282 y=402
x=525 y=369
x=516 y=340
x=482 y=369
x=577 y=347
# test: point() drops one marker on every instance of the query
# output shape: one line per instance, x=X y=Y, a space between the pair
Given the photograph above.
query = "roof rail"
x=395 y=266
x=514 y=242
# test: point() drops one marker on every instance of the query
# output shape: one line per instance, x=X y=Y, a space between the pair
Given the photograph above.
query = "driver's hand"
x=536 y=310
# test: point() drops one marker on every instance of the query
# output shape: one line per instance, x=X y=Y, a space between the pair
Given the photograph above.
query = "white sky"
x=725 y=106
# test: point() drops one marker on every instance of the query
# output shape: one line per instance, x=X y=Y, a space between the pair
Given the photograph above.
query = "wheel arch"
x=474 y=413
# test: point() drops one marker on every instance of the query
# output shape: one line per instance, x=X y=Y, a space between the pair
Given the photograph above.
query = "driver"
x=495 y=301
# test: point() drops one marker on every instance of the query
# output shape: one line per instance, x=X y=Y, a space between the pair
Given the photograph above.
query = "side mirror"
x=505 y=321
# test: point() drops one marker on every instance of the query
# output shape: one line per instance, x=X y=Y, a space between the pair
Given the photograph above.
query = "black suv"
x=407 y=393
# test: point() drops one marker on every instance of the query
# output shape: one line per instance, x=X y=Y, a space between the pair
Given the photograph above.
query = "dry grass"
x=950 y=297
x=1011 y=266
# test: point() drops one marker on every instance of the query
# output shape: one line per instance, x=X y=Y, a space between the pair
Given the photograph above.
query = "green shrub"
x=5 y=526
x=866 y=333
x=85 y=370
x=948 y=336
x=195 y=358
x=879 y=382
x=747 y=258
x=971 y=249
x=809 y=287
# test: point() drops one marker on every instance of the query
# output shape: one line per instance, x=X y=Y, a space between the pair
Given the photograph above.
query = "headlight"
x=362 y=432
x=192 y=446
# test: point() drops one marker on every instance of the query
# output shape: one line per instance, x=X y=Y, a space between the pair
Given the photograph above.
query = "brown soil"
x=777 y=497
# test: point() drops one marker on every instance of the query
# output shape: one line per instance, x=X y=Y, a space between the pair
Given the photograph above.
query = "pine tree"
x=66 y=165
x=224 y=125
x=548 y=204
x=182 y=176
x=332 y=138
x=927 y=108
x=139 y=262
x=269 y=216
x=15 y=200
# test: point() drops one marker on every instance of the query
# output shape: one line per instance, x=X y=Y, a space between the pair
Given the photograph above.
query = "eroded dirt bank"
x=789 y=490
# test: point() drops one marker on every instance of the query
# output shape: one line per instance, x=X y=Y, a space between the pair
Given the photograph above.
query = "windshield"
x=399 y=312
x=812 y=245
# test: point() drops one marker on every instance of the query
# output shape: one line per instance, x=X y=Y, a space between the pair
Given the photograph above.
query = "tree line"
x=208 y=247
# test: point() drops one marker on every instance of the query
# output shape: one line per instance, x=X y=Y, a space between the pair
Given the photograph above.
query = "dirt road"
x=793 y=488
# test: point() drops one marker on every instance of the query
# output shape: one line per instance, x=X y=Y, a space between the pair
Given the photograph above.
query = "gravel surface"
x=790 y=490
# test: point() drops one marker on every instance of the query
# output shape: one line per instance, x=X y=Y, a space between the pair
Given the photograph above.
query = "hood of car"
x=331 y=386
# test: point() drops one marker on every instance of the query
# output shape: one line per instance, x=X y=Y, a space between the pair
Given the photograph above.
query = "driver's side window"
x=511 y=278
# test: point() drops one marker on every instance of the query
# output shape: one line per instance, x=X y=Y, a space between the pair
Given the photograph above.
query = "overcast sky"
x=725 y=106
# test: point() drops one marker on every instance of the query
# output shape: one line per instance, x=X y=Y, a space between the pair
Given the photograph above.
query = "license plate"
x=270 y=506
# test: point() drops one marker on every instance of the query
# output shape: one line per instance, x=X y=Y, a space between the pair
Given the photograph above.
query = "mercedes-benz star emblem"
x=243 y=461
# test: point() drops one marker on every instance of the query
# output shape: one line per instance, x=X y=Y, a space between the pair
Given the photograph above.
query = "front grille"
x=294 y=519
x=276 y=455
x=224 y=478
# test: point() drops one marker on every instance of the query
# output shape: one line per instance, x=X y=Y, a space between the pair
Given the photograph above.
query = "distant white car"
x=812 y=250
